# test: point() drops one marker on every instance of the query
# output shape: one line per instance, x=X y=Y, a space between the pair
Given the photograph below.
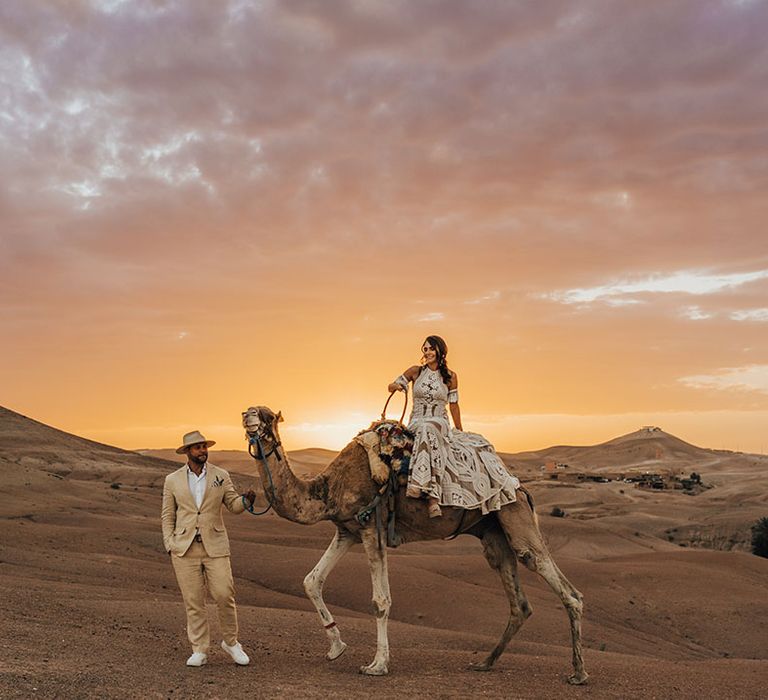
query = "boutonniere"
x=218 y=481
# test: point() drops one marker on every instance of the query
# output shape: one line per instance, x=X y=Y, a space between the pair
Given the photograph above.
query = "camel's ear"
x=279 y=417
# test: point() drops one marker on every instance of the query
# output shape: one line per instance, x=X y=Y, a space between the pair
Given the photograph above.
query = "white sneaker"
x=197 y=659
x=237 y=653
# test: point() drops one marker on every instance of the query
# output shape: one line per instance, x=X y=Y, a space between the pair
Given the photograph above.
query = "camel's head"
x=260 y=425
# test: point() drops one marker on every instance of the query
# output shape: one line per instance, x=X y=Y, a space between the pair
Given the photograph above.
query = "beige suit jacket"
x=182 y=518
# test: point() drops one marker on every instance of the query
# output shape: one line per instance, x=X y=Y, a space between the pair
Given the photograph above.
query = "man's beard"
x=201 y=460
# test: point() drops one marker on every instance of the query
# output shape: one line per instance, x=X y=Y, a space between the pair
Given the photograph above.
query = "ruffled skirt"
x=459 y=469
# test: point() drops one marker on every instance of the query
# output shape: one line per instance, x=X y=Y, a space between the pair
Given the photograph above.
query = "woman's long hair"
x=441 y=350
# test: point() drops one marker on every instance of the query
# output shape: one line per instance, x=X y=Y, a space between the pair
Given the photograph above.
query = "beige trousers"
x=195 y=572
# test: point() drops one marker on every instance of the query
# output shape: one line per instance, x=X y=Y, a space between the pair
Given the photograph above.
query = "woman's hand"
x=395 y=387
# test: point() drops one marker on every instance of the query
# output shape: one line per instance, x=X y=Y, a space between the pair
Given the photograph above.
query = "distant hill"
x=23 y=434
x=30 y=443
x=304 y=462
x=34 y=447
x=46 y=469
x=641 y=450
x=638 y=450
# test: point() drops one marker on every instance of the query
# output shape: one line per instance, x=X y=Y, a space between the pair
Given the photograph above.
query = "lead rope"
x=254 y=439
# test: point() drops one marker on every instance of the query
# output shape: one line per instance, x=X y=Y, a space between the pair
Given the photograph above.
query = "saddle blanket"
x=389 y=445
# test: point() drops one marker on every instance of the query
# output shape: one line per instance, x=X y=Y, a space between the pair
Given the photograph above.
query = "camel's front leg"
x=377 y=561
x=313 y=585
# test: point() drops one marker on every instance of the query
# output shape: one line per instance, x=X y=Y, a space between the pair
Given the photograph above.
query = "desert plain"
x=676 y=606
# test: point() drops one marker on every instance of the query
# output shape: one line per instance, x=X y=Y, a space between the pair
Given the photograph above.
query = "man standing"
x=195 y=537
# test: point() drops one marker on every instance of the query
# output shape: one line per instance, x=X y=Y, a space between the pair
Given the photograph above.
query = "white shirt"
x=197 y=484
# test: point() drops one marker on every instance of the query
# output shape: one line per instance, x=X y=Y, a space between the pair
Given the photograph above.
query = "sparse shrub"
x=760 y=538
x=557 y=512
x=115 y=485
x=695 y=478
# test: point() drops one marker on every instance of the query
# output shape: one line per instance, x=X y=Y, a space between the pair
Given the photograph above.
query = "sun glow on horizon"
x=729 y=430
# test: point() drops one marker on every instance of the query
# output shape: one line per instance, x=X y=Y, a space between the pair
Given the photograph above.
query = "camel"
x=345 y=487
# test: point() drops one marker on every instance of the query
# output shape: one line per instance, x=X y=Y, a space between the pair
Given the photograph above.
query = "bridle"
x=256 y=447
x=257 y=436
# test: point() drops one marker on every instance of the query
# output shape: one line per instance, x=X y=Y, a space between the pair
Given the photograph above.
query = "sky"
x=210 y=205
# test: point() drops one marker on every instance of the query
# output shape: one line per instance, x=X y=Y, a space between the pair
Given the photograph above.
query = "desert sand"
x=675 y=605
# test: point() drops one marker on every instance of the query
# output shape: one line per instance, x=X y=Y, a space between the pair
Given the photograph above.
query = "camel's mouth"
x=254 y=423
x=261 y=421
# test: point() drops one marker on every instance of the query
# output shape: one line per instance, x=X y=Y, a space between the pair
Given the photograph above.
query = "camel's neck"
x=299 y=500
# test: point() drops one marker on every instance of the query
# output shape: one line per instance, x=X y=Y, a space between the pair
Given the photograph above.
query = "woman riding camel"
x=449 y=467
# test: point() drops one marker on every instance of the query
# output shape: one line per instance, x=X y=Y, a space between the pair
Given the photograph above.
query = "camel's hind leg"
x=382 y=601
x=313 y=585
x=501 y=558
x=520 y=525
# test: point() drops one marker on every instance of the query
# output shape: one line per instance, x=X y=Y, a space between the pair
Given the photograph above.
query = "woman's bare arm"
x=410 y=374
x=454 y=405
x=456 y=415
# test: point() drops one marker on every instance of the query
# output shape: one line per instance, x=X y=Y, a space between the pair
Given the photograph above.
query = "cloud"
x=748 y=378
x=432 y=316
x=683 y=282
x=695 y=313
x=620 y=199
x=623 y=301
x=485 y=298
x=760 y=315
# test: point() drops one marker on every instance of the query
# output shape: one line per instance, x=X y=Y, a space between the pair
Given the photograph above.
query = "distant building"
x=652 y=481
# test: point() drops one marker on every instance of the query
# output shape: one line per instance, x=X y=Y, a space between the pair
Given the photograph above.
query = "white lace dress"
x=458 y=468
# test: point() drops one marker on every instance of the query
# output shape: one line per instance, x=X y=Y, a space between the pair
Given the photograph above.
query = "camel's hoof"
x=578 y=678
x=484 y=666
x=336 y=651
x=374 y=670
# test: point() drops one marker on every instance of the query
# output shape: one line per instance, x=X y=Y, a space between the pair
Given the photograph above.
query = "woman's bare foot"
x=434 y=508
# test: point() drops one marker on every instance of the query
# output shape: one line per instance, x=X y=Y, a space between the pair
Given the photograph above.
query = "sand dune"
x=91 y=608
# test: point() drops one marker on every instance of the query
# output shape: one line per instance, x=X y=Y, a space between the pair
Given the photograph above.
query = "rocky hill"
x=32 y=450
x=640 y=450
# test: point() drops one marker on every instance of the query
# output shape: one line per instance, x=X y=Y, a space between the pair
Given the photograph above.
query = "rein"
x=255 y=440
x=405 y=407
